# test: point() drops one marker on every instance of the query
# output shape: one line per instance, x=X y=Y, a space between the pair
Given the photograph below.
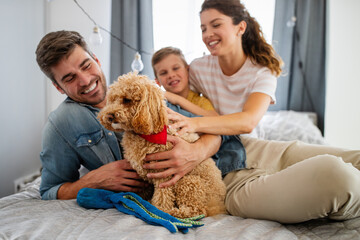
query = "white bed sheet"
x=25 y=216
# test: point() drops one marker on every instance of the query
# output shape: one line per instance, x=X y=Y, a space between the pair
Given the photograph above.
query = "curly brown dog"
x=136 y=105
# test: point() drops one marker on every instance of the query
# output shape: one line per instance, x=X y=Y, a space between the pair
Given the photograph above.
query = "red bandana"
x=158 y=138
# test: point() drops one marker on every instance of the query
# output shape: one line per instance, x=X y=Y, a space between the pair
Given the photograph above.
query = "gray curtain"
x=131 y=22
x=302 y=48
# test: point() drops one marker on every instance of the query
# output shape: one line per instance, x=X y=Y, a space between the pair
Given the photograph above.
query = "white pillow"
x=287 y=126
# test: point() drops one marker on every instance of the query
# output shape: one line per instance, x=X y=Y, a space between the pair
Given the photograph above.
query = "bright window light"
x=176 y=23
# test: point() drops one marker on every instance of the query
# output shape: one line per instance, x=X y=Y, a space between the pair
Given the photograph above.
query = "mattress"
x=25 y=216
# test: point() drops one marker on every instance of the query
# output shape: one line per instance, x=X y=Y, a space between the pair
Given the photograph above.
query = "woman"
x=239 y=77
x=288 y=182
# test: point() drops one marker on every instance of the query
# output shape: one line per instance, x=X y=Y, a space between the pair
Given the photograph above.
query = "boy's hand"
x=172 y=97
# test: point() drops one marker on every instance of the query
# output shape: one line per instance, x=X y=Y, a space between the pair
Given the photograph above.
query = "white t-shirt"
x=228 y=94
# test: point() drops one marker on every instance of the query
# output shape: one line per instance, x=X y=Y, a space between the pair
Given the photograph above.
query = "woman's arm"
x=231 y=124
x=188 y=106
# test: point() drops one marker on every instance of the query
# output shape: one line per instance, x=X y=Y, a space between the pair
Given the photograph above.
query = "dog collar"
x=158 y=138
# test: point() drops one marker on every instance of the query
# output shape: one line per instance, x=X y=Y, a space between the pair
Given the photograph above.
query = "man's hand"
x=115 y=176
x=183 y=158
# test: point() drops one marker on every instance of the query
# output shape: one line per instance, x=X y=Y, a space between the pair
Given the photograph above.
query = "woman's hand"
x=177 y=162
x=182 y=123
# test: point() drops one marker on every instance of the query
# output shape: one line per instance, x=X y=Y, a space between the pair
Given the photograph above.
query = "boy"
x=172 y=72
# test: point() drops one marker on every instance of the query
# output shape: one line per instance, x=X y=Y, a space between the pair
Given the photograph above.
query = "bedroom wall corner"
x=342 y=113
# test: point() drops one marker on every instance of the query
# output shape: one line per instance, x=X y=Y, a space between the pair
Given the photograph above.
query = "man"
x=73 y=137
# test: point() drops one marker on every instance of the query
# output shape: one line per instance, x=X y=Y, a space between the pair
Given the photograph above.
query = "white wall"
x=26 y=95
x=22 y=91
x=342 y=113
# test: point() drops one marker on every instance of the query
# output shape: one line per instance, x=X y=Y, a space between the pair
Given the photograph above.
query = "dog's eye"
x=126 y=100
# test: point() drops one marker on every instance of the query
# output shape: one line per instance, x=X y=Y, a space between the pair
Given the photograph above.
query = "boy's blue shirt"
x=73 y=137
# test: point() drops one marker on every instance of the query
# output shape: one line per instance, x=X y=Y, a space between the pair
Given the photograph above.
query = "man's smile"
x=91 y=88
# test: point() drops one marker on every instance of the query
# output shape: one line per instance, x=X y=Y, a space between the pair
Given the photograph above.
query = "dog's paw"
x=190 y=137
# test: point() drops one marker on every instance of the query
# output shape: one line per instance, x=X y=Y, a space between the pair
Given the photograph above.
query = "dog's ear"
x=157 y=108
x=150 y=115
x=142 y=119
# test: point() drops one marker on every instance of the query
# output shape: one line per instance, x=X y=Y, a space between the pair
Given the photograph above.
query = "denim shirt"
x=73 y=137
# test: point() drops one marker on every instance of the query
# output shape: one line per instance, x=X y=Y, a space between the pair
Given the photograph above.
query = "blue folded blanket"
x=133 y=204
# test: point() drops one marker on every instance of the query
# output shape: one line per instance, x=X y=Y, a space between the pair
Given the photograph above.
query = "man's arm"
x=184 y=157
x=115 y=176
x=61 y=163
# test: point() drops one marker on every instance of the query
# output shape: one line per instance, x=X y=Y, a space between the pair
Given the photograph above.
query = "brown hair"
x=164 y=52
x=254 y=44
x=54 y=46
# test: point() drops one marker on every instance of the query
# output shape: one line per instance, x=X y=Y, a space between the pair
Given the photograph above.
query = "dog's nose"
x=109 y=117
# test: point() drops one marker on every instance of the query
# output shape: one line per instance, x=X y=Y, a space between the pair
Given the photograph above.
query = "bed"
x=25 y=216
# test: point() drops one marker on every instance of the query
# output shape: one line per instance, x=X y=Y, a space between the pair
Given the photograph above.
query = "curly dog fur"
x=136 y=105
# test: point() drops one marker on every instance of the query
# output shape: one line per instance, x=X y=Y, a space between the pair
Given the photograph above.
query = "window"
x=176 y=23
